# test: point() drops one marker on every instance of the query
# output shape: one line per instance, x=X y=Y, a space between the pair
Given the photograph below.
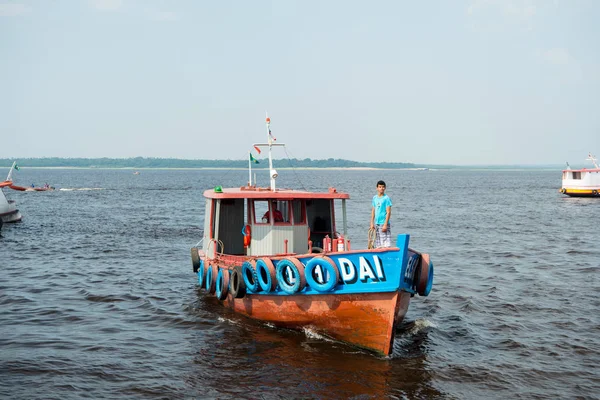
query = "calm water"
x=99 y=300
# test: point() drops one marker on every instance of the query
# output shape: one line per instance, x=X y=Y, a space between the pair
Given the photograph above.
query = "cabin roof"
x=582 y=170
x=251 y=192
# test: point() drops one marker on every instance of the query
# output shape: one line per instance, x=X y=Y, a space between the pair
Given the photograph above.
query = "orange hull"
x=363 y=320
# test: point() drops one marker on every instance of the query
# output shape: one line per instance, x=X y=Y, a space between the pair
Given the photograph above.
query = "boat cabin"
x=581 y=176
x=251 y=221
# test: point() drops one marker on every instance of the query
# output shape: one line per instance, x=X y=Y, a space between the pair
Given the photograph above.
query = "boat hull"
x=358 y=298
x=581 y=192
x=362 y=320
x=11 y=216
x=8 y=209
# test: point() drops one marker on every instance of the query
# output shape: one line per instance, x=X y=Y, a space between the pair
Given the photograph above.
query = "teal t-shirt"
x=380 y=204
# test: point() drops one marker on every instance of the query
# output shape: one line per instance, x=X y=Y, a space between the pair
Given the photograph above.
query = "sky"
x=460 y=82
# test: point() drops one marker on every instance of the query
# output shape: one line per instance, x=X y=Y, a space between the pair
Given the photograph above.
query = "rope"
x=226 y=173
x=371 y=238
x=294 y=169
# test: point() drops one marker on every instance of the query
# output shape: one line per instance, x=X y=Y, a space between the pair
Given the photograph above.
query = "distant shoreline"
x=142 y=163
x=449 y=168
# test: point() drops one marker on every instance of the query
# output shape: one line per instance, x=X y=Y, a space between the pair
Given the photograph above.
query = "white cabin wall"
x=588 y=179
x=300 y=242
x=268 y=240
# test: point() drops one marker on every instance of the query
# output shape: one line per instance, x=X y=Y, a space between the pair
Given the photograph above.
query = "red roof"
x=582 y=170
x=246 y=192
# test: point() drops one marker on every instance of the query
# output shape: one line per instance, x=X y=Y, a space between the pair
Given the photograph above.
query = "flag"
x=252 y=159
x=257 y=149
x=16 y=167
x=270 y=134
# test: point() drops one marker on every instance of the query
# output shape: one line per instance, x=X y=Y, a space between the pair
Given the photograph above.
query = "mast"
x=272 y=172
x=593 y=159
x=270 y=143
x=249 y=169
x=9 y=177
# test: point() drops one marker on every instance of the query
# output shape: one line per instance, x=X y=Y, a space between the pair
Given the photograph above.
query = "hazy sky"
x=442 y=82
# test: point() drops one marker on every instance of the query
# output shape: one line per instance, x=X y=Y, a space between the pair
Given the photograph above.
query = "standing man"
x=380 y=217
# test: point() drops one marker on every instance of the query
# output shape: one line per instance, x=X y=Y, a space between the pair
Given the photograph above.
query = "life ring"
x=247 y=232
x=329 y=274
x=267 y=276
x=425 y=278
x=294 y=283
x=250 y=276
x=237 y=286
x=211 y=278
x=195 y=259
x=594 y=192
x=201 y=273
x=222 y=285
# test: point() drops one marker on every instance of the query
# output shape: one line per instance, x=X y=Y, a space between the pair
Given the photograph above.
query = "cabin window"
x=299 y=212
x=263 y=209
x=576 y=175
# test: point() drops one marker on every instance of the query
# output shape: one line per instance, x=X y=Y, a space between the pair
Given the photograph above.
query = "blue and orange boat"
x=284 y=257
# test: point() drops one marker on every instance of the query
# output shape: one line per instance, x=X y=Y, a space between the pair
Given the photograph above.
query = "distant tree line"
x=143 y=162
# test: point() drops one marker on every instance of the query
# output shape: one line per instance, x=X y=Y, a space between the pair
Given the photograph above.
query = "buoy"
x=247 y=235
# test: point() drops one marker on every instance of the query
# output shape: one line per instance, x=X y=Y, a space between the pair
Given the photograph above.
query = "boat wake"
x=73 y=189
x=313 y=334
x=420 y=325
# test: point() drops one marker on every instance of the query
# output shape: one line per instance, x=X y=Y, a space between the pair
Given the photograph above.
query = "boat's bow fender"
x=322 y=274
x=425 y=276
x=290 y=275
x=195 y=259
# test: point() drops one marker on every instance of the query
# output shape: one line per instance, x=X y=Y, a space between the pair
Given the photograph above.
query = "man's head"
x=381 y=187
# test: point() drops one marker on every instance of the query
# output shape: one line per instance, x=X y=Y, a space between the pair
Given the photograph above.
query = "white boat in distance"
x=8 y=208
x=581 y=182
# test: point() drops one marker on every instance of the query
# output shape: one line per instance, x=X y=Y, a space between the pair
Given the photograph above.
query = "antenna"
x=593 y=159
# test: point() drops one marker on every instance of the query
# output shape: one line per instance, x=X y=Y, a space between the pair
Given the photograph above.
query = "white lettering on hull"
x=366 y=270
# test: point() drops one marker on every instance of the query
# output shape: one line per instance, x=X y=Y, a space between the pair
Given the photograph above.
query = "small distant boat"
x=8 y=208
x=136 y=173
x=292 y=265
x=582 y=182
x=32 y=188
